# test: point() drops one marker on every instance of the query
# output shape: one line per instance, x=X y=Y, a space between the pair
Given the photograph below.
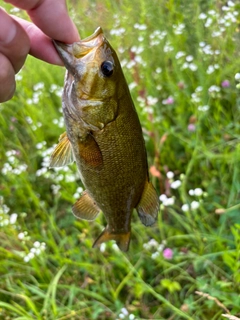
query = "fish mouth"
x=93 y=36
x=79 y=49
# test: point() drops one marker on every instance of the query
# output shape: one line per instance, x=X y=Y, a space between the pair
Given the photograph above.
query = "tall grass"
x=181 y=60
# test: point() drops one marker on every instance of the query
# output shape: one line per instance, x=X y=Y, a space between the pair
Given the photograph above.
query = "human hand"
x=18 y=37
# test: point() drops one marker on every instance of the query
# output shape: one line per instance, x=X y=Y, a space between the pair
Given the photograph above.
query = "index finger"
x=51 y=17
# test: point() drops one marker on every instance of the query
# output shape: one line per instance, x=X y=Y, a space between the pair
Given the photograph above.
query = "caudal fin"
x=122 y=239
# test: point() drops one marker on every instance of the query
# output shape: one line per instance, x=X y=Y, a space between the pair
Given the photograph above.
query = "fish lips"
x=69 y=53
x=66 y=54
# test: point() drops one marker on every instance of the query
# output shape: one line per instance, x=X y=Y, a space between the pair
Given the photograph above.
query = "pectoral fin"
x=148 y=206
x=122 y=239
x=62 y=154
x=85 y=208
x=90 y=152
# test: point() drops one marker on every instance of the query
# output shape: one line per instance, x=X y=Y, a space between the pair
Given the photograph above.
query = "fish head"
x=92 y=65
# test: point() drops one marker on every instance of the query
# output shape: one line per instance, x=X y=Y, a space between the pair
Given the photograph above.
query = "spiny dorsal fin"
x=85 y=208
x=148 y=206
x=62 y=154
x=122 y=239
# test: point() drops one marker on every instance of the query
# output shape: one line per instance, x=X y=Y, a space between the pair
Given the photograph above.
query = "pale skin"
x=18 y=38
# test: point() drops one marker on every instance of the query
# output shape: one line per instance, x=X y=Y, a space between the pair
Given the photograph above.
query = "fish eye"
x=107 y=68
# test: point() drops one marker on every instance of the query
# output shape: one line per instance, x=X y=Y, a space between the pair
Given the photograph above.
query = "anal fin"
x=148 y=206
x=85 y=208
x=122 y=239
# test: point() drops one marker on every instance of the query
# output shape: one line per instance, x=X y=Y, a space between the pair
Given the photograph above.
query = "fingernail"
x=8 y=28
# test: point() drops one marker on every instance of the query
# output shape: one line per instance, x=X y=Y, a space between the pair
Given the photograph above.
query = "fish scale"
x=104 y=137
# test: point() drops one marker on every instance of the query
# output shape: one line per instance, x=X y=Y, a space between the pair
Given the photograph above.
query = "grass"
x=181 y=60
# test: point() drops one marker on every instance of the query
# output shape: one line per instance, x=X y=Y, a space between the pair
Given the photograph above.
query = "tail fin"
x=122 y=239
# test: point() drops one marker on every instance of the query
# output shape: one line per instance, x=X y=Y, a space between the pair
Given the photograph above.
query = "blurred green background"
x=182 y=63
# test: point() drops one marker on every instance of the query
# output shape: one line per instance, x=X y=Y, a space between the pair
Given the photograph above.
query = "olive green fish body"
x=117 y=182
x=104 y=137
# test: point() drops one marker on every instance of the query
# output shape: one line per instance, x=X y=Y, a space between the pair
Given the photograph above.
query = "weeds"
x=181 y=60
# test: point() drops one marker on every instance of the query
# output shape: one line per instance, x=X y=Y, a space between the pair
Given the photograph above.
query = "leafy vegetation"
x=181 y=60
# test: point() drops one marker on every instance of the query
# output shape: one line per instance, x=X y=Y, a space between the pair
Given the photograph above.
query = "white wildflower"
x=170 y=174
x=169 y=202
x=160 y=247
x=31 y=255
x=191 y=192
x=208 y=22
x=155 y=255
x=189 y=58
x=37 y=244
x=26 y=258
x=55 y=188
x=216 y=34
x=154 y=42
x=124 y=311
x=13 y=218
x=176 y=184
x=202 y=16
x=131 y=64
x=185 y=207
x=178 y=29
x=214 y=88
x=195 y=97
x=203 y=108
x=102 y=247
x=5 y=208
x=193 y=66
x=230 y=3
x=140 y=26
x=29 y=120
x=41 y=172
x=138 y=49
x=180 y=54
x=21 y=235
x=198 y=192
x=132 y=85
x=162 y=197
x=202 y=44
x=195 y=205
x=185 y=66
x=210 y=69
x=11 y=159
x=151 y=101
x=33 y=250
x=117 y=32
x=225 y=8
x=38 y=86
x=37 y=251
x=152 y=243
x=237 y=76
x=158 y=70
x=40 y=145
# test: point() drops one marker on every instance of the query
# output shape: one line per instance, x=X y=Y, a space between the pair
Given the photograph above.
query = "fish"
x=104 y=137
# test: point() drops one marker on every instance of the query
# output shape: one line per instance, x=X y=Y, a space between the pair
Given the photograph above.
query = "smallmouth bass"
x=104 y=136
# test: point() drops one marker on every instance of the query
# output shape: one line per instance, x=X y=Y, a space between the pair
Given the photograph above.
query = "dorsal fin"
x=62 y=154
